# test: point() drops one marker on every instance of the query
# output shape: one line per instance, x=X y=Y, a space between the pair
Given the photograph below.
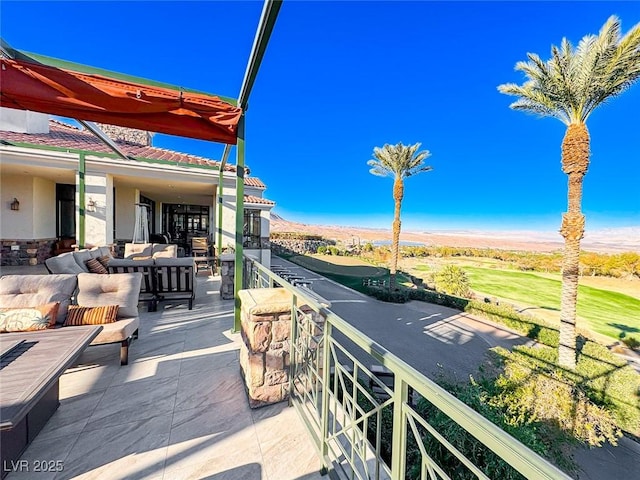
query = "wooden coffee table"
x=30 y=367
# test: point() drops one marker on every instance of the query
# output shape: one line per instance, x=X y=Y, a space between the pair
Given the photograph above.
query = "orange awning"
x=97 y=97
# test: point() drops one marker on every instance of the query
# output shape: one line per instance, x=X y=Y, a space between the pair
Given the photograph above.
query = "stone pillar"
x=227 y=274
x=264 y=353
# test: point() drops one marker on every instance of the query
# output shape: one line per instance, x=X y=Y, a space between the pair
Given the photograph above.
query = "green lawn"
x=608 y=313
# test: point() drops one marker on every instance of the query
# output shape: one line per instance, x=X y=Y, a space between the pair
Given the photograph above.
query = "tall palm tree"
x=569 y=87
x=397 y=161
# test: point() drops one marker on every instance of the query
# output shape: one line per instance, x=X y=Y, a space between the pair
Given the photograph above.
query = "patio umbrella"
x=141 y=226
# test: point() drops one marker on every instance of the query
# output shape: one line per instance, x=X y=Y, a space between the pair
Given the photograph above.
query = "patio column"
x=98 y=208
x=239 y=222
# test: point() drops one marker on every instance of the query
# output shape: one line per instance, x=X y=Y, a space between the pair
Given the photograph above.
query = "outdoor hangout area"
x=153 y=324
x=177 y=410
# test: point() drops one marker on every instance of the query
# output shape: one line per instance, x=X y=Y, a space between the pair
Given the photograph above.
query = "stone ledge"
x=265 y=300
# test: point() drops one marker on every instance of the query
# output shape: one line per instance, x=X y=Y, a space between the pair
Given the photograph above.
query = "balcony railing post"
x=326 y=382
x=399 y=439
x=292 y=347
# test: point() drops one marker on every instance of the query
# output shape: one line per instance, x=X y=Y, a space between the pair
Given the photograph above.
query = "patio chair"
x=200 y=253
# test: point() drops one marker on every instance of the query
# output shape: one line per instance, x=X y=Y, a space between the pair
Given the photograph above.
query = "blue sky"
x=340 y=78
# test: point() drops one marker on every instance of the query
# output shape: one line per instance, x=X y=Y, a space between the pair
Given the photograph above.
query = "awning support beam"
x=103 y=137
x=265 y=27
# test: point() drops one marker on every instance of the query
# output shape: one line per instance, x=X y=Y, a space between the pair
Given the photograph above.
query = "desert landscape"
x=616 y=240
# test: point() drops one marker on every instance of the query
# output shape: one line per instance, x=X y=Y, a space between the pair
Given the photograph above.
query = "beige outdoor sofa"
x=165 y=277
x=86 y=289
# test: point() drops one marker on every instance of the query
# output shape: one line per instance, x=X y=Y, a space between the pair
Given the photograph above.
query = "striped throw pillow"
x=77 y=315
x=95 y=266
x=104 y=260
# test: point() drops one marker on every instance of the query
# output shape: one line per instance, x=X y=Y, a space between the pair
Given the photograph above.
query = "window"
x=251 y=234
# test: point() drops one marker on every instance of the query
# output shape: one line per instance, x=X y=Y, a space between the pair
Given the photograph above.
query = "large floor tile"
x=284 y=443
x=206 y=389
x=72 y=416
x=222 y=436
x=208 y=359
x=133 y=401
x=50 y=450
x=134 y=450
x=86 y=378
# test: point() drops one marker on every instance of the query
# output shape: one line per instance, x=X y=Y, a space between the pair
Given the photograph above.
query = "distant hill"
x=613 y=240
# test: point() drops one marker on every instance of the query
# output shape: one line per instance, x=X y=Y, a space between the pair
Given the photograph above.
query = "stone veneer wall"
x=281 y=245
x=227 y=275
x=130 y=135
x=29 y=252
x=265 y=349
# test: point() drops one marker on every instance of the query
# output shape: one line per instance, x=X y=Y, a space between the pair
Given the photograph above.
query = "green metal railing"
x=363 y=426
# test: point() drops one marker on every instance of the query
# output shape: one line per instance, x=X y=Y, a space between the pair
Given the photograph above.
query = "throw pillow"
x=95 y=266
x=77 y=315
x=104 y=260
x=29 y=318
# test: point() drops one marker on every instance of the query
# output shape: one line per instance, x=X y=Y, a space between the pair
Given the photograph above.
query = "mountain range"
x=610 y=240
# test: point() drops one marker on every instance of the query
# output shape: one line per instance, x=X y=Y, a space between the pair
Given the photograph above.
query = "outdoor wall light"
x=91 y=205
x=15 y=205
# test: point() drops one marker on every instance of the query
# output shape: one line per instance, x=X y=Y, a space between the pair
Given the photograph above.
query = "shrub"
x=476 y=395
x=368 y=247
x=532 y=392
x=331 y=250
x=453 y=280
x=399 y=295
x=322 y=250
x=438 y=298
x=631 y=342
x=607 y=380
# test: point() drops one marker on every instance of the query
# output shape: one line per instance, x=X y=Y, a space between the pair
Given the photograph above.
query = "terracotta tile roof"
x=67 y=136
x=258 y=200
x=254 y=182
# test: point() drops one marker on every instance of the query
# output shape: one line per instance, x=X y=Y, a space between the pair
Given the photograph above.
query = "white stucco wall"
x=228 y=219
x=22 y=121
x=17 y=225
x=99 y=223
x=125 y=201
x=44 y=208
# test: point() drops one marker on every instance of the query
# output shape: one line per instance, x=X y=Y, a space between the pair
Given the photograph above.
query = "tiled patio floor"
x=177 y=411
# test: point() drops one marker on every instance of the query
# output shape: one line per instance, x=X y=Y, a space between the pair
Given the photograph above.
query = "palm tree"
x=569 y=87
x=397 y=161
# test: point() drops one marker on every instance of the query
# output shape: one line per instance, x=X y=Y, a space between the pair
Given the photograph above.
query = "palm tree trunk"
x=398 y=194
x=575 y=161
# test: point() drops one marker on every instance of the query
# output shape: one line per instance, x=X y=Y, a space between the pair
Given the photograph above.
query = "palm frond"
x=398 y=160
x=574 y=81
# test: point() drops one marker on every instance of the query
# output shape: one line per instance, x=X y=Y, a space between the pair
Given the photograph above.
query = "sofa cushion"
x=29 y=290
x=121 y=289
x=138 y=250
x=81 y=256
x=117 y=331
x=94 y=252
x=63 y=263
x=95 y=266
x=77 y=315
x=28 y=319
x=105 y=252
x=161 y=250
